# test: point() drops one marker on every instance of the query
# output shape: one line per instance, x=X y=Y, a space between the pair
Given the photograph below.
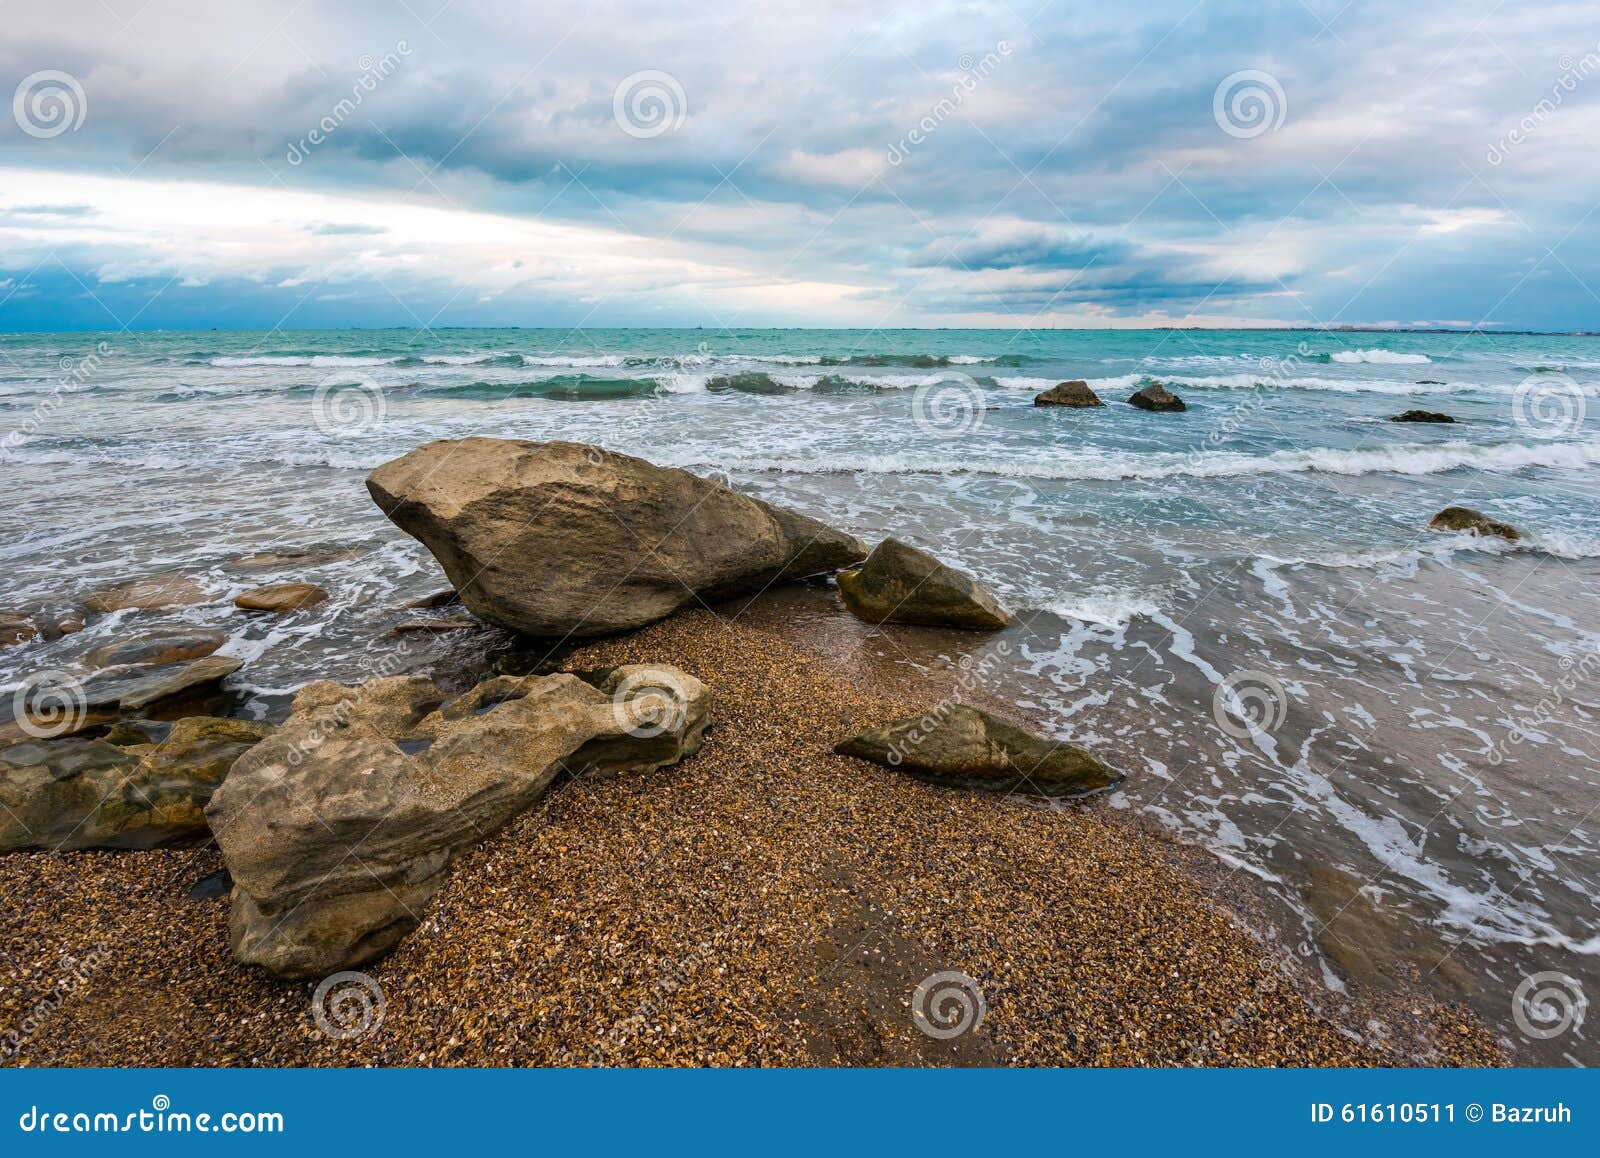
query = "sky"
x=178 y=164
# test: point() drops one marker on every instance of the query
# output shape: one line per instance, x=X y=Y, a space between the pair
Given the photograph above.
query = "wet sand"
x=764 y=902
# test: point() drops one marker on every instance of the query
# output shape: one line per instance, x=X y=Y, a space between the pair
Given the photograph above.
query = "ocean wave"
x=1378 y=355
x=1180 y=382
x=1403 y=460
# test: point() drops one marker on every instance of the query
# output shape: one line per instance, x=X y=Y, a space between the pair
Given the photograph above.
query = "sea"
x=1391 y=729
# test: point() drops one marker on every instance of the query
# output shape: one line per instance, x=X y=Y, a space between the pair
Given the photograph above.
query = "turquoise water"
x=1275 y=529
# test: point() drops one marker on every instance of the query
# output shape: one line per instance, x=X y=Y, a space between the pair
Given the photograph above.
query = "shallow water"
x=1276 y=529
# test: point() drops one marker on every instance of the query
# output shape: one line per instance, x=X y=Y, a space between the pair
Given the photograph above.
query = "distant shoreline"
x=1495 y=333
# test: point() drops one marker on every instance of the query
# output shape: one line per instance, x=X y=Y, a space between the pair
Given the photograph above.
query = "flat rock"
x=158 y=647
x=900 y=584
x=962 y=747
x=1158 y=398
x=340 y=827
x=432 y=602
x=1421 y=416
x=78 y=793
x=134 y=686
x=17 y=627
x=435 y=623
x=1475 y=522
x=1073 y=393
x=147 y=594
x=59 y=704
x=281 y=598
x=566 y=540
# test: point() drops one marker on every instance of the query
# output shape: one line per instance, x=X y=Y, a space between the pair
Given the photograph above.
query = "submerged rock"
x=1158 y=398
x=148 y=594
x=1074 y=393
x=77 y=793
x=281 y=598
x=1475 y=522
x=1421 y=416
x=900 y=584
x=158 y=647
x=961 y=747
x=566 y=540
x=341 y=826
x=17 y=627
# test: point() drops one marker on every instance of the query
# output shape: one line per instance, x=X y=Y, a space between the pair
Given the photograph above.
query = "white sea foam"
x=1404 y=460
x=1116 y=609
x=1380 y=355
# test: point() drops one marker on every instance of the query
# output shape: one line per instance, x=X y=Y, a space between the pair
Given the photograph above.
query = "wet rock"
x=77 y=793
x=134 y=686
x=438 y=599
x=340 y=827
x=1376 y=944
x=1475 y=522
x=1158 y=398
x=435 y=623
x=1421 y=416
x=281 y=598
x=900 y=584
x=285 y=557
x=147 y=594
x=57 y=704
x=158 y=647
x=212 y=886
x=69 y=623
x=962 y=747
x=17 y=627
x=1075 y=393
x=138 y=733
x=561 y=539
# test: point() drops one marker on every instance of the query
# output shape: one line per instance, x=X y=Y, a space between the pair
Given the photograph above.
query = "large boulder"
x=1473 y=522
x=900 y=584
x=961 y=747
x=1074 y=393
x=560 y=539
x=1158 y=398
x=78 y=793
x=341 y=826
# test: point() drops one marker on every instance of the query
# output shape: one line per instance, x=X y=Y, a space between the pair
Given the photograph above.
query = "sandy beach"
x=763 y=902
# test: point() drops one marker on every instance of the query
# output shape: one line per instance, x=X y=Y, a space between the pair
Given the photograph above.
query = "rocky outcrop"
x=341 y=826
x=281 y=598
x=1474 y=522
x=57 y=704
x=900 y=584
x=1158 y=398
x=158 y=647
x=148 y=594
x=1074 y=393
x=78 y=793
x=1421 y=416
x=961 y=747
x=565 y=540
